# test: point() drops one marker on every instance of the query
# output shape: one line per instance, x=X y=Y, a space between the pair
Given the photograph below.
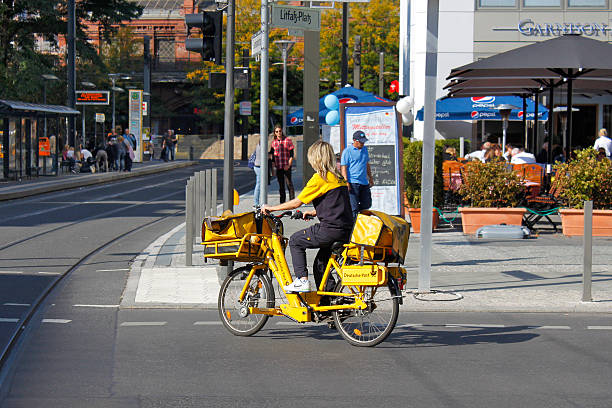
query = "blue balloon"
x=332 y=118
x=331 y=102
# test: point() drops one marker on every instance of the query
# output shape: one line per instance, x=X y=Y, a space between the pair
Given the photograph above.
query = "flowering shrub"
x=584 y=178
x=491 y=185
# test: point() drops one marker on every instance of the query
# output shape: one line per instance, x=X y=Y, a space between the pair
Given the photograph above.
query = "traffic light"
x=210 y=46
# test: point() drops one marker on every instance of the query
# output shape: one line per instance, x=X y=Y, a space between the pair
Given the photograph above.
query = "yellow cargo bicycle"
x=360 y=291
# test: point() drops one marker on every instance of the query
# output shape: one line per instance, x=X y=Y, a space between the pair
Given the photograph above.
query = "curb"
x=88 y=181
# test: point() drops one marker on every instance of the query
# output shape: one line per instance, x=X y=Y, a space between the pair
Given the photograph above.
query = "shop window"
x=587 y=3
x=496 y=3
x=542 y=3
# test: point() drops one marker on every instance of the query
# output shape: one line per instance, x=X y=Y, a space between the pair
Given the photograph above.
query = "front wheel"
x=235 y=314
x=369 y=327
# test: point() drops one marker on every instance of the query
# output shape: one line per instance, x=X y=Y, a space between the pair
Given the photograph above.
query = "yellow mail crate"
x=364 y=275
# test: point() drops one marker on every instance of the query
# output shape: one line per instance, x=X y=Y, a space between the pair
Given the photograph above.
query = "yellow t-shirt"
x=331 y=200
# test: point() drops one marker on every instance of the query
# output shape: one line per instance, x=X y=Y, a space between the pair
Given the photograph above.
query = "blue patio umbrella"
x=348 y=94
x=483 y=108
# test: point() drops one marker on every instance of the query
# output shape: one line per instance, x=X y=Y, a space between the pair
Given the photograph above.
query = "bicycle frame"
x=300 y=306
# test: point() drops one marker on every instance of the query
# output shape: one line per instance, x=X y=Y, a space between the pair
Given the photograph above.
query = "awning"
x=16 y=108
x=483 y=108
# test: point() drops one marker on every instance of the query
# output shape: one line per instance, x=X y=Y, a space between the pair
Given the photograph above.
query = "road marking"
x=16 y=304
x=599 y=327
x=113 y=270
x=49 y=273
x=550 y=327
x=11 y=273
x=491 y=326
x=108 y=306
x=8 y=320
x=206 y=323
x=410 y=325
x=133 y=324
x=60 y=321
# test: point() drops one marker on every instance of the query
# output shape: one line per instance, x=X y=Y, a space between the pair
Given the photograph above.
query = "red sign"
x=92 y=97
x=44 y=147
x=394 y=86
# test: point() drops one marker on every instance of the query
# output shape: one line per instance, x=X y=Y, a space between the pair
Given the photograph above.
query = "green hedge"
x=413 y=156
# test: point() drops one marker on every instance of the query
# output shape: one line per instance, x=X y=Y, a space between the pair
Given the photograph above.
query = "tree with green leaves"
x=26 y=24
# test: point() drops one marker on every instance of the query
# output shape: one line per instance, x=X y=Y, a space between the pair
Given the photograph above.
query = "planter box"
x=474 y=218
x=415 y=219
x=573 y=222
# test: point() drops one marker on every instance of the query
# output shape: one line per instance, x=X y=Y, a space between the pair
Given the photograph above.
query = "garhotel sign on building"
x=530 y=28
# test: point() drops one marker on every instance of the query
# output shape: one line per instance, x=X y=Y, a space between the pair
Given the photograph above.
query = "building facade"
x=473 y=29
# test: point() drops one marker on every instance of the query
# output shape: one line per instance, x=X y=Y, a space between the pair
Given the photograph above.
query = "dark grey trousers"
x=313 y=237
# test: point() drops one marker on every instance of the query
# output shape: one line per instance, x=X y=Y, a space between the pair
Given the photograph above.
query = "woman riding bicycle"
x=328 y=192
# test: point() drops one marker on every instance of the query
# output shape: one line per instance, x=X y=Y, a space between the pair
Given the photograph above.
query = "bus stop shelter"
x=31 y=137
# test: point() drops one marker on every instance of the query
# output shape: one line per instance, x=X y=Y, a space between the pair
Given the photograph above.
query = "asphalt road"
x=83 y=351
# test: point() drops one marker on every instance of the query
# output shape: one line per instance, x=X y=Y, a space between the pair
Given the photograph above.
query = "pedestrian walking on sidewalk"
x=282 y=150
x=169 y=144
x=355 y=165
x=328 y=191
x=255 y=159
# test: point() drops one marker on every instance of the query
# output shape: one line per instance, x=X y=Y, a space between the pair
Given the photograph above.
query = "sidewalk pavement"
x=12 y=189
x=542 y=274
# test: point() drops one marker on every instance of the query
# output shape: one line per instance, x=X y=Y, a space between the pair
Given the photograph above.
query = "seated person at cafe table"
x=520 y=156
x=479 y=154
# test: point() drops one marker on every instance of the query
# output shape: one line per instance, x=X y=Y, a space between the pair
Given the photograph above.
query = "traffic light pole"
x=228 y=130
x=245 y=119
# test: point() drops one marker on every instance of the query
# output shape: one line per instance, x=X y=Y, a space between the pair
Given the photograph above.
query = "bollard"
x=197 y=201
x=461 y=146
x=587 y=263
x=213 y=193
x=188 y=224
x=191 y=153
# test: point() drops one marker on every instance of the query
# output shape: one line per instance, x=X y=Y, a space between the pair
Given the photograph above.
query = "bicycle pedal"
x=331 y=325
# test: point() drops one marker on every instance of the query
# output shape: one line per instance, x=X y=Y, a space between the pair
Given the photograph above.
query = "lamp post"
x=504 y=111
x=285 y=47
x=48 y=77
x=114 y=88
x=86 y=84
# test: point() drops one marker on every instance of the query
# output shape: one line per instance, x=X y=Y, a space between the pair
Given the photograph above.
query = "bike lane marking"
x=137 y=324
x=599 y=327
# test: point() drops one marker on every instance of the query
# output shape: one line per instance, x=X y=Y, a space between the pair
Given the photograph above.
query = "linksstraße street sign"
x=296 y=17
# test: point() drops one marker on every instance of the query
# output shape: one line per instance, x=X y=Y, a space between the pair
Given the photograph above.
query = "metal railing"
x=200 y=202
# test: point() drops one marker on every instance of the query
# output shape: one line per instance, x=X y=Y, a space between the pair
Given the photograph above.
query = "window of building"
x=496 y=3
x=542 y=3
x=587 y=3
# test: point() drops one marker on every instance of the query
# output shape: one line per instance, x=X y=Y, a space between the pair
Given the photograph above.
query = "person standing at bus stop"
x=355 y=167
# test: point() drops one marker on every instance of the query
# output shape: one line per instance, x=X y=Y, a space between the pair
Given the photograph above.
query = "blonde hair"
x=323 y=160
x=603 y=132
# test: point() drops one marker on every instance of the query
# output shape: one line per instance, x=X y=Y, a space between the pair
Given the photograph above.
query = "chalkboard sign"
x=380 y=123
x=382 y=164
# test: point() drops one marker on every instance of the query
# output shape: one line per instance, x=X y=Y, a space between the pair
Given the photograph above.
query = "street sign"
x=245 y=108
x=92 y=97
x=256 y=43
x=100 y=118
x=292 y=32
x=296 y=17
x=145 y=110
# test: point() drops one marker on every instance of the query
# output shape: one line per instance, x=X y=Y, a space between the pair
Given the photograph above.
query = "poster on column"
x=135 y=121
x=380 y=122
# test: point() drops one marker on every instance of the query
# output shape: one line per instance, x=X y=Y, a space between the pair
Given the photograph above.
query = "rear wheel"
x=368 y=327
x=235 y=314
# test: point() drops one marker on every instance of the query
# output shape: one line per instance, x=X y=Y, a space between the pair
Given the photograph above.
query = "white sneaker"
x=298 y=285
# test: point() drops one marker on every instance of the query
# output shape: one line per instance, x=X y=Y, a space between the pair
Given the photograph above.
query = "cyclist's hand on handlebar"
x=309 y=215
x=265 y=209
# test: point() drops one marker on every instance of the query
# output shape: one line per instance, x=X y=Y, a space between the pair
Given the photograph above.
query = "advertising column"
x=135 y=121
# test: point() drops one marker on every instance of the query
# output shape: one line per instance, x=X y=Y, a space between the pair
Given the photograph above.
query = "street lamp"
x=285 y=47
x=86 y=84
x=504 y=111
x=114 y=77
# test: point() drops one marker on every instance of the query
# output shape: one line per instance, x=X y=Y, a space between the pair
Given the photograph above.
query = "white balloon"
x=404 y=105
x=407 y=119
